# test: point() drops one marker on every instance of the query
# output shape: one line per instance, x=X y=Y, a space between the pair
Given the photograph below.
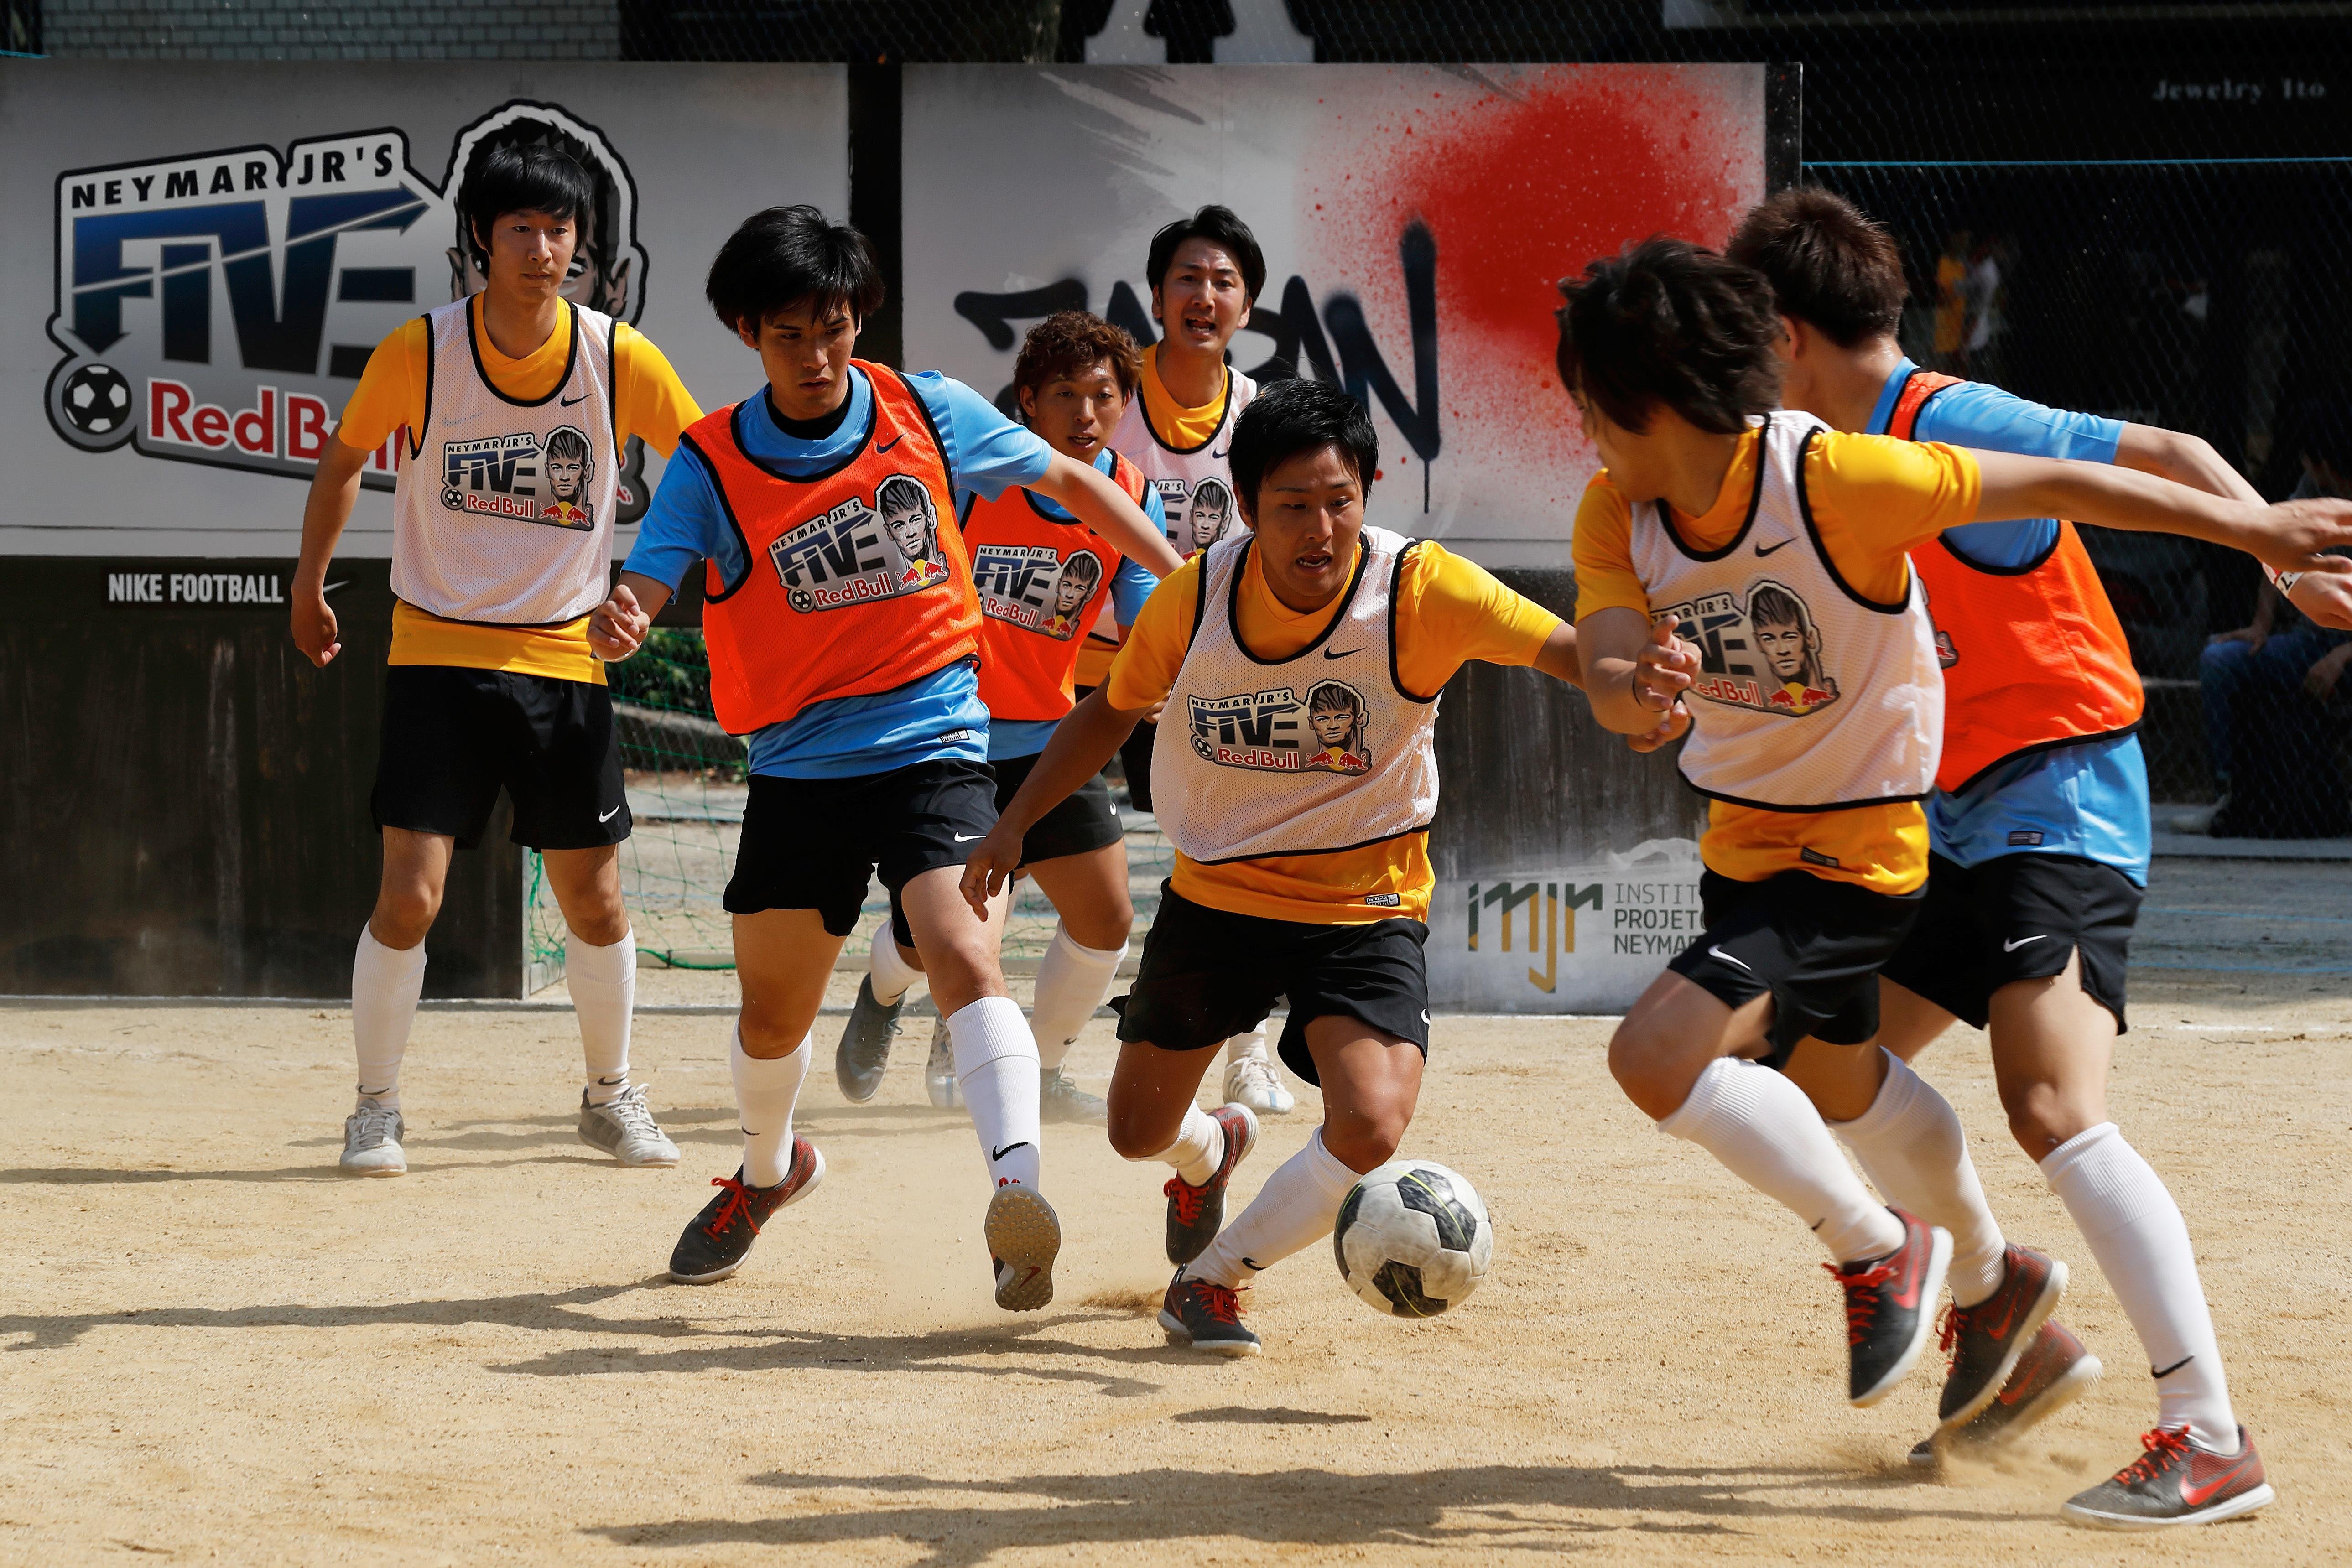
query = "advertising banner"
x=1565 y=939
x=1416 y=219
x=201 y=258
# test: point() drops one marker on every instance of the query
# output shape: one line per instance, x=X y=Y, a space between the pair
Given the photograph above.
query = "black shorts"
x=2018 y=917
x=813 y=843
x=1816 y=946
x=1084 y=822
x=453 y=738
x=1207 y=975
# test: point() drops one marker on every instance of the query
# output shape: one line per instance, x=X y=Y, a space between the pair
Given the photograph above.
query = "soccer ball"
x=1413 y=1239
x=96 y=399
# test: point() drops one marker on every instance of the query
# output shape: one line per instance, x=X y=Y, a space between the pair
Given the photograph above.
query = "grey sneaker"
x=1059 y=1099
x=939 y=1074
x=864 y=1049
x=1254 y=1080
x=371 y=1137
x=624 y=1128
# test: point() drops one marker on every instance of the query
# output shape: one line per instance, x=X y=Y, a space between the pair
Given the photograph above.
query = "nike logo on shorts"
x=1719 y=953
x=2013 y=947
x=610 y=815
x=967 y=838
x=1425 y=1017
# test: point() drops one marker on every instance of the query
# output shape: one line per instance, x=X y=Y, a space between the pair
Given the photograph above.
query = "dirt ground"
x=216 y=1347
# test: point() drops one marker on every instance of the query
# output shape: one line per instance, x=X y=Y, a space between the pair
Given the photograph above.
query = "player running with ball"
x=1043 y=578
x=843 y=632
x=1816 y=849
x=2039 y=851
x=1292 y=877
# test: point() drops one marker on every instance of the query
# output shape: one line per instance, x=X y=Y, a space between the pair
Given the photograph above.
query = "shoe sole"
x=807 y=1187
x=1024 y=1235
x=1230 y=1348
x=400 y=1169
x=2079 y=1380
x=1931 y=1286
x=2035 y=1316
x=2244 y=1503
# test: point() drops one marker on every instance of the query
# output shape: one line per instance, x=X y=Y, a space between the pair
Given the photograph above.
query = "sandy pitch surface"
x=215 y=1346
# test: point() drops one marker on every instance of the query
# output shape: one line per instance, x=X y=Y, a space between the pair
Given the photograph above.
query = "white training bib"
x=1321 y=751
x=503 y=513
x=1810 y=697
x=1195 y=485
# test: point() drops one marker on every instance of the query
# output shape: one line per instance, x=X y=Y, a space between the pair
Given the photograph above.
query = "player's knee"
x=1104 y=930
x=600 y=927
x=2041 y=1116
x=1361 y=1139
x=403 y=915
x=1644 y=1070
x=1138 y=1128
x=767 y=1038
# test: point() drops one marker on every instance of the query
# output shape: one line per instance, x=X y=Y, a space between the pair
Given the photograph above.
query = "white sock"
x=603 y=986
x=1198 y=1148
x=1251 y=1043
x=385 y=984
x=1911 y=1147
x=1768 y=1134
x=765 y=1090
x=892 y=975
x=996 y=1067
x=2136 y=1231
x=1072 y=982
x=1296 y=1209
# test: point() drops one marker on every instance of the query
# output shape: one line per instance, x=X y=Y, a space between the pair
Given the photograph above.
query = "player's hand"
x=2296 y=535
x=617 y=627
x=2325 y=596
x=991 y=868
x=1151 y=715
x=1664 y=669
x=1676 y=725
x=316 y=632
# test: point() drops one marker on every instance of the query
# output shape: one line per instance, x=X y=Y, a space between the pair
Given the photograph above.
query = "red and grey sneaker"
x=1890 y=1308
x=1207 y=1315
x=2052 y=1372
x=1195 y=1214
x=1985 y=1341
x=720 y=1237
x=2178 y=1481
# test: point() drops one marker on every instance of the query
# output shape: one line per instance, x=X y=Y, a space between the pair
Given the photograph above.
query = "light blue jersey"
x=1130 y=585
x=936 y=718
x=2089 y=799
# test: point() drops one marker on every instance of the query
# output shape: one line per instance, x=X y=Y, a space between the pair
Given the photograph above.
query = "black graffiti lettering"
x=1296 y=335
x=994 y=314
x=1125 y=311
x=1362 y=370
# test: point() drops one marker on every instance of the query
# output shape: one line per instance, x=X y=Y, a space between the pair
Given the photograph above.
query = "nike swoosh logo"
x=567 y=401
x=1341 y=652
x=610 y=815
x=967 y=838
x=1910 y=1299
x=1784 y=544
x=2197 y=1497
x=999 y=1154
x=888 y=444
x=2008 y=1320
x=1719 y=953
x=1219 y=456
x=1424 y=1016
x=2013 y=947
x=2168 y=1371
x=339 y=582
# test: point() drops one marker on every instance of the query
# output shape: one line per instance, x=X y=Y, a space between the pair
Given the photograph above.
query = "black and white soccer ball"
x=96 y=400
x=1413 y=1239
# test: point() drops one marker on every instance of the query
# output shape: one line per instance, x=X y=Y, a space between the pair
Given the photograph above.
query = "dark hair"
x=569 y=442
x=1086 y=566
x=1219 y=225
x=1666 y=322
x=1829 y=265
x=1294 y=416
x=1069 y=342
x=1772 y=602
x=783 y=257
x=504 y=177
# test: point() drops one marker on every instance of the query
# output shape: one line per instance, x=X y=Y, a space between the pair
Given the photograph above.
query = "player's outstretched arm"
x=2291 y=537
x=2190 y=460
x=333 y=488
x=1095 y=500
x=1088 y=736
x=1634 y=671
x=617 y=627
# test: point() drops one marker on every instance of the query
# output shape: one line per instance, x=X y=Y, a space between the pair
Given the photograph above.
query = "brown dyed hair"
x=1829 y=263
x=1068 y=342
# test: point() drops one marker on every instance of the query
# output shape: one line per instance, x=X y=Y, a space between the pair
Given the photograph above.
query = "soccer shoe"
x=2178 y=1481
x=1061 y=1100
x=1195 y=1214
x=721 y=1237
x=1890 y=1308
x=1207 y=1316
x=938 y=1073
x=1024 y=1235
x=371 y=1137
x=865 y=1048
x=2053 y=1372
x=624 y=1128
x=1254 y=1080
x=1986 y=1340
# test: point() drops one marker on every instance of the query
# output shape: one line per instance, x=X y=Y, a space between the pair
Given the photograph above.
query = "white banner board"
x=1415 y=221
x=1564 y=939
x=201 y=257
